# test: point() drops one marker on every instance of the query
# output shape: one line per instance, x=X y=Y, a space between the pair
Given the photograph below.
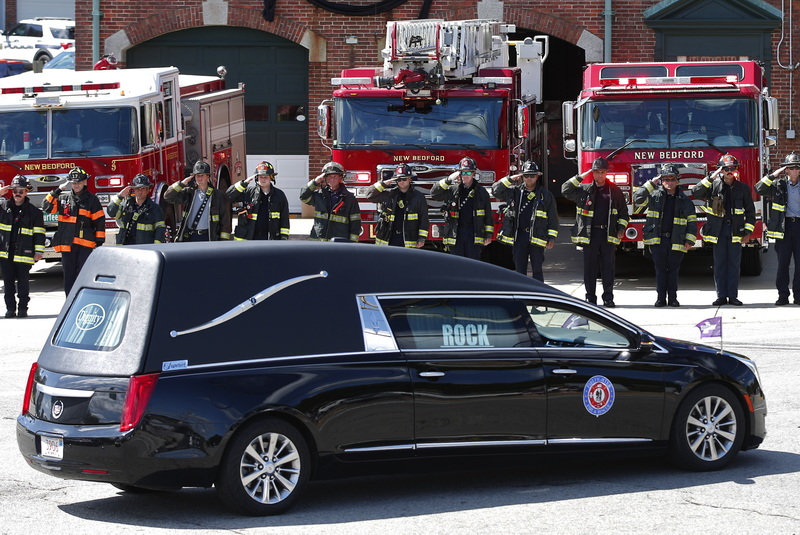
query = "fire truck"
x=447 y=89
x=639 y=115
x=116 y=124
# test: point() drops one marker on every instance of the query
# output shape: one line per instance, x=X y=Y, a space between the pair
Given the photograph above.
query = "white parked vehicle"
x=37 y=41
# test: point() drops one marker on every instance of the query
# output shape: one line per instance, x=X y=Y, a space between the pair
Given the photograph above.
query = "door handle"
x=564 y=371
x=431 y=374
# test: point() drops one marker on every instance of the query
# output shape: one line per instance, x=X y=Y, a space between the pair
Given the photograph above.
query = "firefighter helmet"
x=201 y=168
x=77 y=174
x=333 y=168
x=600 y=164
x=531 y=168
x=728 y=160
x=403 y=171
x=667 y=169
x=791 y=159
x=141 y=181
x=467 y=164
x=20 y=181
x=265 y=168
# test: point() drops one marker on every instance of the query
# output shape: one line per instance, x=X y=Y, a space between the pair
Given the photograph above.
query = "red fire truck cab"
x=639 y=115
x=447 y=90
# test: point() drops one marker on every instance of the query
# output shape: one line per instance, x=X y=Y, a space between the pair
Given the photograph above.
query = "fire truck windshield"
x=676 y=123
x=63 y=133
x=368 y=122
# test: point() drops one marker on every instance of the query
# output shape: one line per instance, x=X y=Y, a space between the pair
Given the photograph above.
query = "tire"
x=40 y=61
x=248 y=485
x=751 y=262
x=708 y=429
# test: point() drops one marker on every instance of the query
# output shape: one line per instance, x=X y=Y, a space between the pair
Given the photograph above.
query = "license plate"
x=52 y=447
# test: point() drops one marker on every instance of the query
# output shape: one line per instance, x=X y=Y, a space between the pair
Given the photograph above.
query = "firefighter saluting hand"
x=404 y=210
x=265 y=210
x=81 y=223
x=336 y=213
x=468 y=210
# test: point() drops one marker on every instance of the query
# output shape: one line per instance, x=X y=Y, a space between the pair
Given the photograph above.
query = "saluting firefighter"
x=336 y=212
x=206 y=214
x=81 y=223
x=784 y=223
x=265 y=210
x=600 y=223
x=139 y=218
x=404 y=211
x=731 y=218
x=669 y=230
x=530 y=222
x=21 y=244
x=467 y=209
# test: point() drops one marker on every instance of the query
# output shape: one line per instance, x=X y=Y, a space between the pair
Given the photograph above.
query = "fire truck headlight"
x=109 y=181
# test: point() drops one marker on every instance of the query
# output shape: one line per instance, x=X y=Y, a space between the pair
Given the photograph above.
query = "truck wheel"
x=39 y=61
x=264 y=469
x=708 y=429
x=751 y=262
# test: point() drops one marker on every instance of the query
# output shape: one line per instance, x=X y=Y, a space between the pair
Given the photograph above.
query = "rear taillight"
x=26 y=402
x=140 y=388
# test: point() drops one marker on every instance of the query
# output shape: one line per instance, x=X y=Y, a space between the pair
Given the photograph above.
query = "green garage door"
x=274 y=70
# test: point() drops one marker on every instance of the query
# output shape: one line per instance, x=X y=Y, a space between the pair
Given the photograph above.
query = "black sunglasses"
x=793 y=167
x=726 y=169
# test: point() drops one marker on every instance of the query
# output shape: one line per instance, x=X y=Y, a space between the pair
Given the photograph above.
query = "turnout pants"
x=788 y=248
x=599 y=253
x=727 y=264
x=668 y=264
x=73 y=262
x=16 y=284
x=523 y=251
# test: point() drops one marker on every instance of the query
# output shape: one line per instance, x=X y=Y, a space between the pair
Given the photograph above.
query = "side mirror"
x=324 y=120
x=645 y=345
x=523 y=122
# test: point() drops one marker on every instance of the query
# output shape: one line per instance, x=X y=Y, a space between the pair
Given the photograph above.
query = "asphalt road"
x=758 y=493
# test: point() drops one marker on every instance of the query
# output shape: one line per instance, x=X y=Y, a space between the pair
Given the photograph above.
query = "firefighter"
x=669 y=230
x=265 y=210
x=21 y=244
x=530 y=221
x=784 y=223
x=336 y=213
x=404 y=211
x=139 y=218
x=206 y=214
x=467 y=209
x=731 y=218
x=600 y=223
x=81 y=223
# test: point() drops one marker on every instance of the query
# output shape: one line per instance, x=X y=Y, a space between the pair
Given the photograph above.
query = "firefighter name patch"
x=598 y=395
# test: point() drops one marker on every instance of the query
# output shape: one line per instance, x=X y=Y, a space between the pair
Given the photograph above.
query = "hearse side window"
x=457 y=323
x=561 y=327
x=95 y=321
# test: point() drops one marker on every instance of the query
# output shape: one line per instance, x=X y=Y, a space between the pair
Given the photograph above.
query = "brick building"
x=286 y=51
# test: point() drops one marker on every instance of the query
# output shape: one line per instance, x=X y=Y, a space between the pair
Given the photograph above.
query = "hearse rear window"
x=95 y=321
x=457 y=323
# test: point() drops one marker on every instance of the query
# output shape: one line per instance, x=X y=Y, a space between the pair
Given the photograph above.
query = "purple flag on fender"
x=710 y=328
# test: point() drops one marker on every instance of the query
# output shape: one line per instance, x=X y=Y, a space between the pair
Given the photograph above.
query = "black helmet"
x=265 y=168
x=403 y=171
x=201 y=168
x=791 y=159
x=467 y=164
x=667 y=169
x=77 y=174
x=20 y=181
x=531 y=168
x=141 y=181
x=333 y=168
x=728 y=160
x=600 y=164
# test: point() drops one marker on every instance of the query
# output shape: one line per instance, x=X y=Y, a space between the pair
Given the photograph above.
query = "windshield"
x=390 y=122
x=73 y=133
x=670 y=123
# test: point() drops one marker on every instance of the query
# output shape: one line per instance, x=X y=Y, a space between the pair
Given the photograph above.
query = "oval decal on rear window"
x=90 y=317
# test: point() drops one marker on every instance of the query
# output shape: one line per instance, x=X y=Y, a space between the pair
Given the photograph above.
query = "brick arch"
x=164 y=22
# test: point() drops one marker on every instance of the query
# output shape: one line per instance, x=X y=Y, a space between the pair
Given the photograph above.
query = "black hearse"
x=251 y=366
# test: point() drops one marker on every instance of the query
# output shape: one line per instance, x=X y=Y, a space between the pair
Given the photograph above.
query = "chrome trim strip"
x=63 y=392
x=431 y=374
x=430 y=445
x=246 y=305
x=381 y=448
x=597 y=440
